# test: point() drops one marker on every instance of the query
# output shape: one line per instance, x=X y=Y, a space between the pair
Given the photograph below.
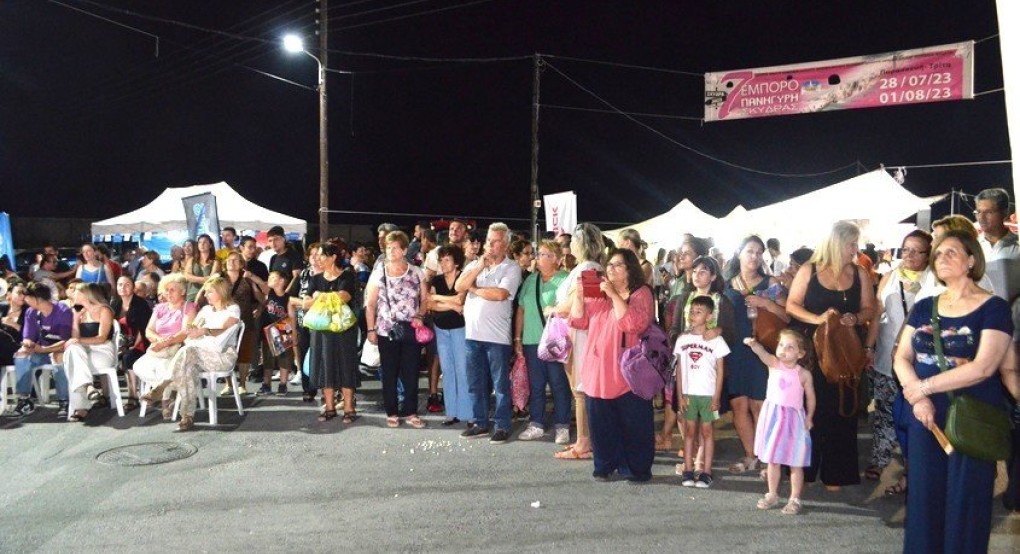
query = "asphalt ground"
x=276 y=480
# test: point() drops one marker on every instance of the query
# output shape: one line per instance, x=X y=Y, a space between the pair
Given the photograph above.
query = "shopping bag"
x=554 y=346
x=330 y=313
x=520 y=383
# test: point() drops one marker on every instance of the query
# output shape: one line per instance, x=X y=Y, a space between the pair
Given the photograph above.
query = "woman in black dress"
x=832 y=282
x=333 y=356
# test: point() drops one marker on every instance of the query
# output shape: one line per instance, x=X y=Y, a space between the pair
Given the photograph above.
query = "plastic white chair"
x=210 y=378
x=9 y=377
x=110 y=373
x=7 y=373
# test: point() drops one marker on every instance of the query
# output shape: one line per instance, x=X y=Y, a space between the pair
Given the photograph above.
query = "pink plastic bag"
x=520 y=383
x=554 y=346
x=422 y=333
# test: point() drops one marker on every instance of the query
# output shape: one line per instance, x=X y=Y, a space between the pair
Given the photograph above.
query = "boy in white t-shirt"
x=699 y=390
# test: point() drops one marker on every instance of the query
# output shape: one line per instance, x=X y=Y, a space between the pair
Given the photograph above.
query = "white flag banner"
x=560 y=212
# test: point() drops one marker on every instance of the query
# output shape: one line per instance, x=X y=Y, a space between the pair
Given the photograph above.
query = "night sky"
x=93 y=125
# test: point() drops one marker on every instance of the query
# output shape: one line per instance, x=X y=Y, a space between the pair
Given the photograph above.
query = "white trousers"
x=80 y=362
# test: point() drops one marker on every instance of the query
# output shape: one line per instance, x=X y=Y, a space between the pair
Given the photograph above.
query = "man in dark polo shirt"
x=285 y=259
x=258 y=273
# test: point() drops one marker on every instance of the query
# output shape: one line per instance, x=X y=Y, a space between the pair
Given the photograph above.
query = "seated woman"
x=165 y=331
x=208 y=346
x=90 y=346
x=133 y=313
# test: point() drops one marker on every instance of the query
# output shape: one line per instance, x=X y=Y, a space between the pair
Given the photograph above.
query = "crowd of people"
x=466 y=309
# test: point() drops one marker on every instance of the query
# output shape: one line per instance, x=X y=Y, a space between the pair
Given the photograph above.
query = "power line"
x=168 y=21
x=376 y=10
x=638 y=114
x=1000 y=89
x=686 y=147
x=626 y=65
x=427 y=59
x=398 y=18
x=108 y=20
x=954 y=164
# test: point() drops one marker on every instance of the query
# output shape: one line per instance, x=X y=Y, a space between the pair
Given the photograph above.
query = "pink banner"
x=934 y=74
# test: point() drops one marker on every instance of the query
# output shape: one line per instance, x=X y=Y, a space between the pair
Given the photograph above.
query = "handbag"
x=422 y=333
x=975 y=428
x=766 y=326
x=329 y=313
x=520 y=383
x=841 y=358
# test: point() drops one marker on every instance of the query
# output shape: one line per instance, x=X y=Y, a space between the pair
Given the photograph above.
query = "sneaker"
x=475 y=431
x=281 y=389
x=62 y=410
x=687 y=479
x=227 y=391
x=704 y=481
x=500 y=436
x=562 y=435
x=264 y=389
x=25 y=407
x=296 y=378
x=533 y=432
x=434 y=405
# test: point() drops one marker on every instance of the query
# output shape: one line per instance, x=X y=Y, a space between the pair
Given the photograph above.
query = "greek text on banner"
x=934 y=74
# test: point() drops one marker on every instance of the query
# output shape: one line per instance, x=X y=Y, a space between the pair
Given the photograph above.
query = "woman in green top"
x=537 y=292
x=200 y=266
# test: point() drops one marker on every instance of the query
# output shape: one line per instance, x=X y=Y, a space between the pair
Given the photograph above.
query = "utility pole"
x=536 y=200
x=323 y=127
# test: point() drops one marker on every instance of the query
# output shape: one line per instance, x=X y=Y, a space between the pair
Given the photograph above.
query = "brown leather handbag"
x=766 y=329
x=841 y=358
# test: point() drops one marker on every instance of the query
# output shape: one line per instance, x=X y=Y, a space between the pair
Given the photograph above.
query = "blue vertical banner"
x=203 y=219
x=6 y=240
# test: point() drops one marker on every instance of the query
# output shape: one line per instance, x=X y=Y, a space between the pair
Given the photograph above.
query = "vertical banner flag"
x=6 y=241
x=934 y=74
x=560 y=212
x=200 y=211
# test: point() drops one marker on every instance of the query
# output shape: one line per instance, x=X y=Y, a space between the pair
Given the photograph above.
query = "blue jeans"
x=485 y=361
x=453 y=359
x=25 y=367
x=622 y=436
x=540 y=373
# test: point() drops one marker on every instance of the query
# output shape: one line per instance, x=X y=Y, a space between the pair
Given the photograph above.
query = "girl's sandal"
x=78 y=416
x=745 y=464
x=792 y=507
x=416 y=422
x=571 y=454
x=349 y=418
x=327 y=415
x=768 y=501
x=393 y=422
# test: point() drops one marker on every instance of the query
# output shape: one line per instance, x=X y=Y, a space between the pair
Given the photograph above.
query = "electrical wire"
x=376 y=10
x=954 y=164
x=625 y=65
x=689 y=148
x=1000 y=89
x=408 y=16
x=108 y=20
x=638 y=114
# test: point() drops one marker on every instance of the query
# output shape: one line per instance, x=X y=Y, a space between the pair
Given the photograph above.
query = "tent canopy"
x=166 y=213
x=874 y=200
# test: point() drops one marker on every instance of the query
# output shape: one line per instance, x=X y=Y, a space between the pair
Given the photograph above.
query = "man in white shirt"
x=1001 y=249
x=774 y=260
x=491 y=283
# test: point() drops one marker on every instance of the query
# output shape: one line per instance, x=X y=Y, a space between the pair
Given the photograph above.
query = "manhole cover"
x=146 y=454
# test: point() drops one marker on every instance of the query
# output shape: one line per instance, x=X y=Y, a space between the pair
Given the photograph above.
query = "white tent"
x=664 y=231
x=166 y=213
x=874 y=200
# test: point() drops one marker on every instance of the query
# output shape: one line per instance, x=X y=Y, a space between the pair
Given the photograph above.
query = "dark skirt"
x=334 y=359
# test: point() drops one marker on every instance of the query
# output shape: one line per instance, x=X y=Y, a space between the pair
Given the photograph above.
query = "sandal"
x=101 y=401
x=873 y=473
x=393 y=422
x=187 y=422
x=416 y=422
x=900 y=487
x=745 y=464
x=769 y=501
x=78 y=416
x=130 y=404
x=792 y=507
x=327 y=415
x=663 y=444
x=93 y=393
x=349 y=418
x=569 y=453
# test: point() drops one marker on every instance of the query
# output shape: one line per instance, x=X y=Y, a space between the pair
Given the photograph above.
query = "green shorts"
x=698 y=407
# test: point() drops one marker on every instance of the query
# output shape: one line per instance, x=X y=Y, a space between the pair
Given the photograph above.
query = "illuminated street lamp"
x=293 y=43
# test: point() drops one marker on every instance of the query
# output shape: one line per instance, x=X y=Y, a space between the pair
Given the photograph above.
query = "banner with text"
x=203 y=218
x=934 y=74
x=560 y=212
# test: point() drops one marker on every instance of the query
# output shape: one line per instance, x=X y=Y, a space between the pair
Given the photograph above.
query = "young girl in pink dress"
x=782 y=437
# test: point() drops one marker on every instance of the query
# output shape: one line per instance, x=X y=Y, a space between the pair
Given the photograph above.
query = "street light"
x=294 y=44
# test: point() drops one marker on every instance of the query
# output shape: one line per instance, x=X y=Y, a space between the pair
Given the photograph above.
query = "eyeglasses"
x=616 y=265
x=914 y=251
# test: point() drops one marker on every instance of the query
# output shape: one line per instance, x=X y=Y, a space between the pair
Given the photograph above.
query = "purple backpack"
x=646 y=365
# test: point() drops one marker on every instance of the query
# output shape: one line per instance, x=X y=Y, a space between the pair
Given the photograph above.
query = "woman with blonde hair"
x=588 y=248
x=209 y=346
x=832 y=283
x=90 y=346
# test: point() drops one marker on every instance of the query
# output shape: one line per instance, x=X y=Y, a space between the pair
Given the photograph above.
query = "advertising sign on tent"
x=933 y=74
x=560 y=212
x=203 y=219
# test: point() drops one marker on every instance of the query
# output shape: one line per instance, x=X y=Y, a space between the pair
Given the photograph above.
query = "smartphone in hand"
x=591 y=280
